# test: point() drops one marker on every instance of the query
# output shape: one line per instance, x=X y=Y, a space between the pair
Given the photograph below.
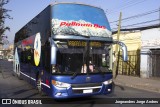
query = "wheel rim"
x=18 y=71
x=39 y=85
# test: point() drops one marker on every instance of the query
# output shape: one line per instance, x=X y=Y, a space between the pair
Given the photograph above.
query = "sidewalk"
x=150 y=84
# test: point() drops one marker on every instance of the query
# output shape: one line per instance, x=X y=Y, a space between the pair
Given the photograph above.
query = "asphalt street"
x=12 y=87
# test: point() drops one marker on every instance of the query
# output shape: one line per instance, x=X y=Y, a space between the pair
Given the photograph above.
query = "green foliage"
x=3 y=15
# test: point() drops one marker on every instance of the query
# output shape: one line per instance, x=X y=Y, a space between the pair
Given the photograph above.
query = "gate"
x=154 y=63
x=132 y=66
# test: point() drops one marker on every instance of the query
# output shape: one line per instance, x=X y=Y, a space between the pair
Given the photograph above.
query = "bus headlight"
x=108 y=82
x=60 y=84
x=53 y=69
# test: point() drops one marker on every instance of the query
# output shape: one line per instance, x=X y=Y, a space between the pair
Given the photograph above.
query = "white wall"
x=144 y=70
x=150 y=40
x=150 y=34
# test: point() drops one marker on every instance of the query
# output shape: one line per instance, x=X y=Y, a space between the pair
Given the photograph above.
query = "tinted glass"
x=79 y=19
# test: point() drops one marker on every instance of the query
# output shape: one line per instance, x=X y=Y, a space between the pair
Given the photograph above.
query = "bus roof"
x=55 y=3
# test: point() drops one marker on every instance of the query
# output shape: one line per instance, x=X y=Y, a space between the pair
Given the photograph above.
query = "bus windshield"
x=79 y=19
x=75 y=56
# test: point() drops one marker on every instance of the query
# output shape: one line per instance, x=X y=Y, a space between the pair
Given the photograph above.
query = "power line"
x=123 y=3
x=138 y=15
x=141 y=23
x=130 y=4
x=138 y=28
x=131 y=25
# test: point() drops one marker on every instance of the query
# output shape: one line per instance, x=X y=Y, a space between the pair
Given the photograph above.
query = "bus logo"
x=37 y=49
x=88 y=79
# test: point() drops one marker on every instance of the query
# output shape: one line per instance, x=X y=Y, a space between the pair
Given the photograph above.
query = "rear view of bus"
x=81 y=40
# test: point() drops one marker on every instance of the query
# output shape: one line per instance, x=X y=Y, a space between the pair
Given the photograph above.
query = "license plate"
x=87 y=91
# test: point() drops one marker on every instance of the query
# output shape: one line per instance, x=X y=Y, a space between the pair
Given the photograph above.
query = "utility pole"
x=115 y=68
x=159 y=16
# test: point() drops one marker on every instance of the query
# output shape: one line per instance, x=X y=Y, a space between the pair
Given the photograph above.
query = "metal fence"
x=154 y=63
x=132 y=66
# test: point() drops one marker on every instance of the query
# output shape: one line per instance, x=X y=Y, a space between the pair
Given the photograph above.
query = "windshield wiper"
x=74 y=75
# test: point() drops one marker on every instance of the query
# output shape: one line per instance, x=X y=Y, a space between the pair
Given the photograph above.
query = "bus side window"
x=47 y=58
x=22 y=56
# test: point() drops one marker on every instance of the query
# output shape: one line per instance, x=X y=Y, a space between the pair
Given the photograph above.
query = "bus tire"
x=13 y=73
x=113 y=90
x=18 y=72
x=39 y=86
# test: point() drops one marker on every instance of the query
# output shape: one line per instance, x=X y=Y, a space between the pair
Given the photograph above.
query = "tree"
x=3 y=15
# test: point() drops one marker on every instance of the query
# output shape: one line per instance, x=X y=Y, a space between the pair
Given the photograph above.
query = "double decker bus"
x=65 y=51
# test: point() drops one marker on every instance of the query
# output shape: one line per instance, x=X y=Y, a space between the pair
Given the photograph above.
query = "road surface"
x=12 y=87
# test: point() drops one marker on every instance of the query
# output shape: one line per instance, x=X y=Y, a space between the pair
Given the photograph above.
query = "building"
x=5 y=53
x=150 y=53
x=1 y=50
x=143 y=52
x=133 y=43
x=9 y=51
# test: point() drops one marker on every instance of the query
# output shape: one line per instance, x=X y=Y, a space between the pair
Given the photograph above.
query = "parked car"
x=10 y=58
x=5 y=58
x=1 y=57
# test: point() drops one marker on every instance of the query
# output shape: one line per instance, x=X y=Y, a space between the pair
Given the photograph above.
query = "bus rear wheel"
x=18 y=72
x=39 y=86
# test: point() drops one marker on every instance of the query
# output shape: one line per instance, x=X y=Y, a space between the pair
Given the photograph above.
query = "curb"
x=137 y=86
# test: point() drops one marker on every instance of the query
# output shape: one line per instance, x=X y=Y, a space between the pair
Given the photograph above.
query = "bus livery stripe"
x=28 y=76
x=34 y=79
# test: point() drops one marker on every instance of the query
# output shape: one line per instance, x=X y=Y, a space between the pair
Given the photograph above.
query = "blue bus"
x=65 y=51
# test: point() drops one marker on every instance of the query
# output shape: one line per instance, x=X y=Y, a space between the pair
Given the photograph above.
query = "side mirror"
x=53 y=51
x=124 y=50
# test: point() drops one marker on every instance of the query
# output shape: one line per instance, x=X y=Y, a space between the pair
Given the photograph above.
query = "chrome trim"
x=85 y=88
x=34 y=79
x=28 y=76
x=45 y=85
x=124 y=50
x=73 y=37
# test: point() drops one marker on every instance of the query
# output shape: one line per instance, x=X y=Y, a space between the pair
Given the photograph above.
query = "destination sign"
x=84 y=43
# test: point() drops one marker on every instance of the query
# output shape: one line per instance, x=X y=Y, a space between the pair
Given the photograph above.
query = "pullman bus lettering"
x=81 y=24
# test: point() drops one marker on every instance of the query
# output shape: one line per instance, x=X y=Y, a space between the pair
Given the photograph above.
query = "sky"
x=24 y=10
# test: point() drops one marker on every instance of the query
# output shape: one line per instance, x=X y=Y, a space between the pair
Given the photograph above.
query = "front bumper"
x=81 y=90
